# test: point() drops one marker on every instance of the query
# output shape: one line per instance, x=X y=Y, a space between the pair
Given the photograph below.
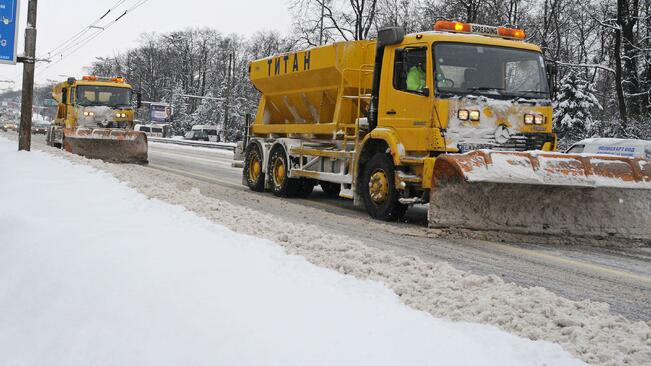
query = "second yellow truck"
x=95 y=119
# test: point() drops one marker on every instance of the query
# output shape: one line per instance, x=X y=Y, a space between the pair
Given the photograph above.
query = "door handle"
x=392 y=112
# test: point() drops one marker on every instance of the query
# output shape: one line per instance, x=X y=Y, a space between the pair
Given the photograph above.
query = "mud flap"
x=543 y=193
x=110 y=145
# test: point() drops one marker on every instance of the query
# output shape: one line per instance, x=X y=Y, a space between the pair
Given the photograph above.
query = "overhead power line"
x=84 y=30
x=97 y=30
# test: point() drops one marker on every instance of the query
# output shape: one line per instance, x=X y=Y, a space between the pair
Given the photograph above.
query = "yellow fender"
x=389 y=136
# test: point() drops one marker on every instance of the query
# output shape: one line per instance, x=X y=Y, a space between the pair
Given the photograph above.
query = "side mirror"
x=138 y=99
x=390 y=35
x=425 y=91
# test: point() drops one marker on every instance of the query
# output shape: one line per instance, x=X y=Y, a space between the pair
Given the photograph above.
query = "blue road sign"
x=9 y=31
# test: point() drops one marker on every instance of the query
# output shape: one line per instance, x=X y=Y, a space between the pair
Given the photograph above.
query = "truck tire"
x=379 y=191
x=252 y=171
x=278 y=169
x=330 y=189
x=307 y=186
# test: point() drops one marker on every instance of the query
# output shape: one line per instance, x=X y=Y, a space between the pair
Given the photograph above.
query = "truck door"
x=405 y=101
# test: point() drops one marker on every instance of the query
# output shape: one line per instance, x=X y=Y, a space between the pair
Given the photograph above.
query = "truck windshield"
x=497 y=72
x=103 y=96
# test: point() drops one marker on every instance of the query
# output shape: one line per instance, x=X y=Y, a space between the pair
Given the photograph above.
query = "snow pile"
x=585 y=329
x=92 y=272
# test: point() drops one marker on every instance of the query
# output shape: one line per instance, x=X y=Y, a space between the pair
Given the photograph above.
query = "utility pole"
x=229 y=83
x=28 y=60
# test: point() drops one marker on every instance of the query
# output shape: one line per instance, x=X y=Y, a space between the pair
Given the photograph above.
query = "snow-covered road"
x=92 y=272
x=619 y=276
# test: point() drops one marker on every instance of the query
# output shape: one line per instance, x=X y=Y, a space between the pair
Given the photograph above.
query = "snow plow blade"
x=112 y=145
x=543 y=193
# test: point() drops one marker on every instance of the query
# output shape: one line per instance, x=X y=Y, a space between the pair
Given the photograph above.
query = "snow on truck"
x=394 y=121
x=95 y=119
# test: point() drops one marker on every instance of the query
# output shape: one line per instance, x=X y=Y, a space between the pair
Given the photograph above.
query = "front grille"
x=524 y=142
x=520 y=142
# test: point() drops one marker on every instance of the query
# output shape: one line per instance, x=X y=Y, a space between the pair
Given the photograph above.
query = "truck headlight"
x=539 y=119
x=120 y=115
x=474 y=116
x=463 y=115
x=529 y=119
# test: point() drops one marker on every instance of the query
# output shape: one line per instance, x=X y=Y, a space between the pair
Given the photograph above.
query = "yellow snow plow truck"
x=459 y=117
x=95 y=119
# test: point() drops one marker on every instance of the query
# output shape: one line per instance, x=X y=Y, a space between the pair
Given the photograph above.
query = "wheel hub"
x=378 y=187
x=254 y=168
x=279 y=172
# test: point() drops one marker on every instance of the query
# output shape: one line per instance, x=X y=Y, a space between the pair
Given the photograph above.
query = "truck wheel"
x=379 y=191
x=281 y=184
x=330 y=189
x=307 y=186
x=252 y=171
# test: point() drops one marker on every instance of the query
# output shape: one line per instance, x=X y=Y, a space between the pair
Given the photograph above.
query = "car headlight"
x=474 y=116
x=539 y=119
x=529 y=119
x=89 y=114
x=463 y=115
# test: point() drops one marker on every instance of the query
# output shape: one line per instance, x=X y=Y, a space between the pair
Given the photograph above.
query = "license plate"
x=463 y=148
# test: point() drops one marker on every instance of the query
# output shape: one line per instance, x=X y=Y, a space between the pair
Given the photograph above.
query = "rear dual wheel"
x=252 y=171
x=281 y=184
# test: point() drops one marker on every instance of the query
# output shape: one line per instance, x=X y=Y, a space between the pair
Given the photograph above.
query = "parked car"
x=9 y=127
x=211 y=131
x=610 y=146
x=196 y=135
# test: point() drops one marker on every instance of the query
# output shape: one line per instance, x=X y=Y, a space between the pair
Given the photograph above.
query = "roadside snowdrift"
x=92 y=272
x=585 y=329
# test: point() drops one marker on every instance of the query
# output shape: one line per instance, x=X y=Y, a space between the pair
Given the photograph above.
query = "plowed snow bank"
x=93 y=273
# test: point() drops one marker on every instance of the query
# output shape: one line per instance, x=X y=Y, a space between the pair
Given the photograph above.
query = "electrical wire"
x=99 y=30
x=84 y=30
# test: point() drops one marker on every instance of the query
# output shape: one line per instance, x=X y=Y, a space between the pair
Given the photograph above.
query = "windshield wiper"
x=483 y=88
x=531 y=91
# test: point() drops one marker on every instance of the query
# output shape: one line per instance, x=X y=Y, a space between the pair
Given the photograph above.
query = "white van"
x=213 y=132
x=154 y=130
x=608 y=146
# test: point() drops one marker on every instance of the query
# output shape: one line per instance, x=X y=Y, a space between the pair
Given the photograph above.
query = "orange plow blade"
x=113 y=145
x=543 y=193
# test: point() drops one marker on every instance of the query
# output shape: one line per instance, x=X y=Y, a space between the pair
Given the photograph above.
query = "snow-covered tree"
x=573 y=107
x=207 y=113
x=181 y=122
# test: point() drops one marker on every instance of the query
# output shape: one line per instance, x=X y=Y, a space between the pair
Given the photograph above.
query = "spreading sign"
x=8 y=31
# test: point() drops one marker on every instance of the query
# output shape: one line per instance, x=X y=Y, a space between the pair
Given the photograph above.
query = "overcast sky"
x=58 y=20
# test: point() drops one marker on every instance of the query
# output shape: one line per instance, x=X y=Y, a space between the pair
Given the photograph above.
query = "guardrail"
x=210 y=145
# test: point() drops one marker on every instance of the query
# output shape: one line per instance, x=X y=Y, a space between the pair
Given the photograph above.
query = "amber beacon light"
x=486 y=30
